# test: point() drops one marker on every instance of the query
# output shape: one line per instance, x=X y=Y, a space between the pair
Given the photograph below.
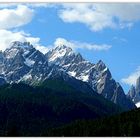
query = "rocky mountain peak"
x=62 y=47
x=78 y=58
x=22 y=62
x=18 y=44
x=59 y=53
x=1 y=57
x=132 y=92
x=101 y=66
x=17 y=47
x=138 y=85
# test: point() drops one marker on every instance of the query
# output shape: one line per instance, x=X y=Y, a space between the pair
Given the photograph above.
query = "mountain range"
x=22 y=63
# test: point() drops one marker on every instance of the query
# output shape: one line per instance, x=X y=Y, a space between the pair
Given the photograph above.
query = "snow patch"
x=11 y=53
x=105 y=69
x=137 y=104
x=29 y=62
x=99 y=81
x=27 y=77
x=72 y=73
x=58 y=54
x=66 y=65
x=26 y=52
x=39 y=62
x=11 y=72
x=84 y=78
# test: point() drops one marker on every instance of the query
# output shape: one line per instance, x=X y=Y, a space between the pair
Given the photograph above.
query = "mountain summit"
x=134 y=93
x=21 y=62
x=97 y=75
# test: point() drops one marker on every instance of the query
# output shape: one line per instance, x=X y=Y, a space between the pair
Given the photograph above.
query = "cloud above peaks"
x=131 y=79
x=100 y=16
x=6 y=37
x=81 y=45
x=15 y=17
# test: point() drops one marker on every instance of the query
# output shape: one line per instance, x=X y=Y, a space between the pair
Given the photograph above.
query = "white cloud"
x=41 y=48
x=31 y=5
x=15 y=17
x=12 y=16
x=6 y=5
x=81 y=45
x=119 y=39
x=6 y=37
x=100 y=16
x=37 y=5
x=131 y=79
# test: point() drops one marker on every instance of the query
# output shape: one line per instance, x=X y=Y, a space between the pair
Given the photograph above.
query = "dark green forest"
x=125 y=124
x=35 y=110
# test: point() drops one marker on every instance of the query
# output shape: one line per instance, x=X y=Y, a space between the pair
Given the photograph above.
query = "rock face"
x=21 y=62
x=97 y=75
x=134 y=92
x=138 y=85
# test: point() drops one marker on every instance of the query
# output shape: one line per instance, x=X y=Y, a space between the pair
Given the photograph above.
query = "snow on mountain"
x=72 y=73
x=57 y=54
x=138 y=104
x=16 y=47
x=23 y=45
x=20 y=59
x=84 y=78
x=97 y=75
x=134 y=92
x=29 y=62
x=22 y=62
x=11 y=53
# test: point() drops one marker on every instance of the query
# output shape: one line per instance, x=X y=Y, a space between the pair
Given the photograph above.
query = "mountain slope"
x=123 y=125
x=28 y=111
x=97 y=75
x=134 y=92
x=21 y=62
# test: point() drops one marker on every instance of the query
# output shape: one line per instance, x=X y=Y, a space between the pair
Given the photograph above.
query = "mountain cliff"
x=21 y=62
x=97 y=75
x=134 y=93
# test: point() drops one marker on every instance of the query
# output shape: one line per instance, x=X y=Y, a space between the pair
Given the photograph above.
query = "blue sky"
x=97 y=31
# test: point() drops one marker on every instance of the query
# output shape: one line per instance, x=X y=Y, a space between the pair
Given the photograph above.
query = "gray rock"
x=23 y=63
x=134 y=92
x=97 y=75
x=138 y=85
